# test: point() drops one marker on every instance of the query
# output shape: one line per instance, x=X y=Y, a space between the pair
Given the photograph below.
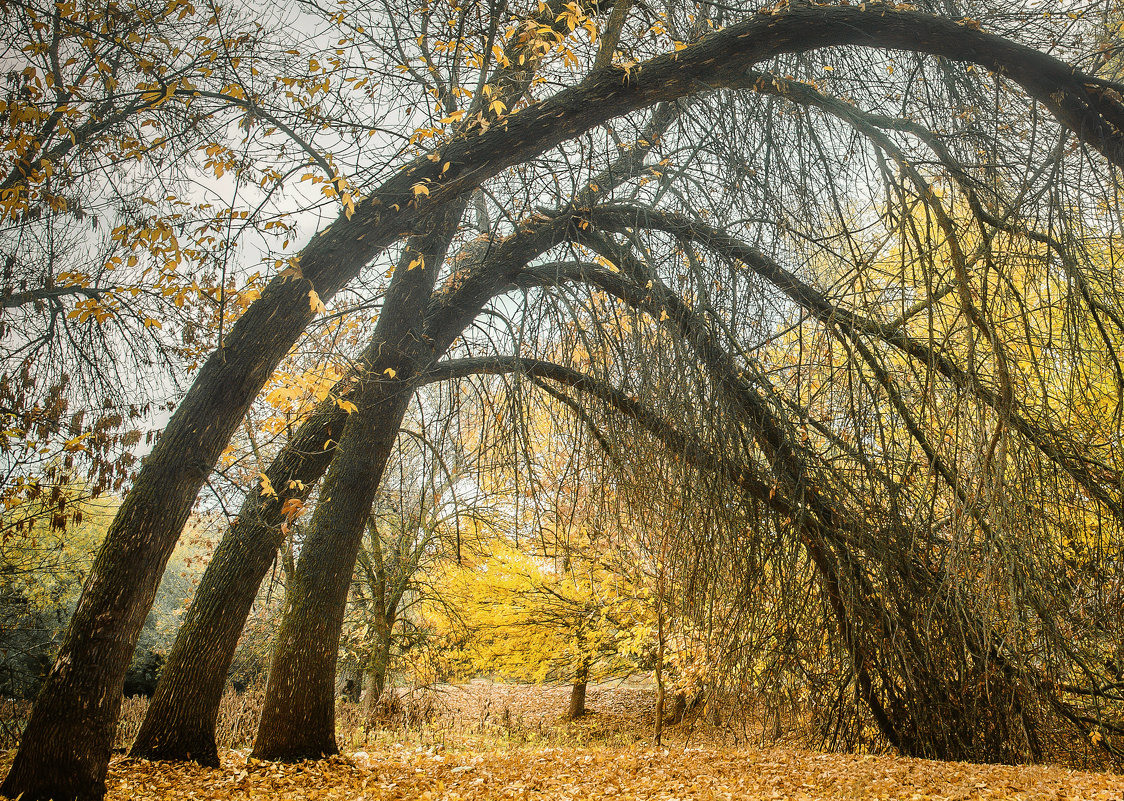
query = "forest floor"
x=488 y=741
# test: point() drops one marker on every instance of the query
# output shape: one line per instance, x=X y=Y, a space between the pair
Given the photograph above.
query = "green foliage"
x=42 y=570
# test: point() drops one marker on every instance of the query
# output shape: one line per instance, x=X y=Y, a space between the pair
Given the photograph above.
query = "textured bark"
x=66 y=745
x=577 y=692
x=65 y=748
x=180 y=721
x=298 y=717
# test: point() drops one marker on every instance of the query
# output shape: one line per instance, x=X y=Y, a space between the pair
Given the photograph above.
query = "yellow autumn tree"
x=524 y=617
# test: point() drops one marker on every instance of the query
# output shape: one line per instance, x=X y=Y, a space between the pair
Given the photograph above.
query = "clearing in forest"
x=467 y=757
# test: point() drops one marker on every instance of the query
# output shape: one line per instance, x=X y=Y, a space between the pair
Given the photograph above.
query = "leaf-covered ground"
x=505 y=741
x=602 y=773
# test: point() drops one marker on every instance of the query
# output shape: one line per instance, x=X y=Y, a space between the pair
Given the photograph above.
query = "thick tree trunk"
x=65 y=749
x=577 y=693
x=180 y=721
x=298 y=718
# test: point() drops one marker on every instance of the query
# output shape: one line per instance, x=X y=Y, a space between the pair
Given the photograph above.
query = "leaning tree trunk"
x=298 y=719
x=64 y=752
x=180 y=721
x=65 y=748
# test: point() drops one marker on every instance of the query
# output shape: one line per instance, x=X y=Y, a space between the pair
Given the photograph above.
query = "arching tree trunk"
x=298 y=718
x=180 y=721
x=181 y=718
x=65 y=750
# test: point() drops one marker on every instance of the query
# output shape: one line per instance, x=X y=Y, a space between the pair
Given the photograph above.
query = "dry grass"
x=477 y=714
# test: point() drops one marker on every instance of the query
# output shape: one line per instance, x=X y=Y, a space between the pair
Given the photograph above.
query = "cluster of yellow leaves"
x=689 y=774
x=531 y=621
x=297 y=390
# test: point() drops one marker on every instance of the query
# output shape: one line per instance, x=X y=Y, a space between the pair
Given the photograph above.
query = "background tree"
x=517 y=618
x=415 y=526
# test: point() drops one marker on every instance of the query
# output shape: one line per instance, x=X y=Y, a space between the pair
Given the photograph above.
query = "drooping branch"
x=815 y=532
x=819 y=305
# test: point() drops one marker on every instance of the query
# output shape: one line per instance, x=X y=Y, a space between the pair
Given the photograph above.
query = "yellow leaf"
x=346 y=405
x=390 y=371
x=266 y=486
x=663 y=314
x=292 y=270
x=75 y=443
x=314 y=302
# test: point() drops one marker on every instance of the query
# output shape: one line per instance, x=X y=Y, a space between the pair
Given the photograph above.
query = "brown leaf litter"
x=569 y=774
